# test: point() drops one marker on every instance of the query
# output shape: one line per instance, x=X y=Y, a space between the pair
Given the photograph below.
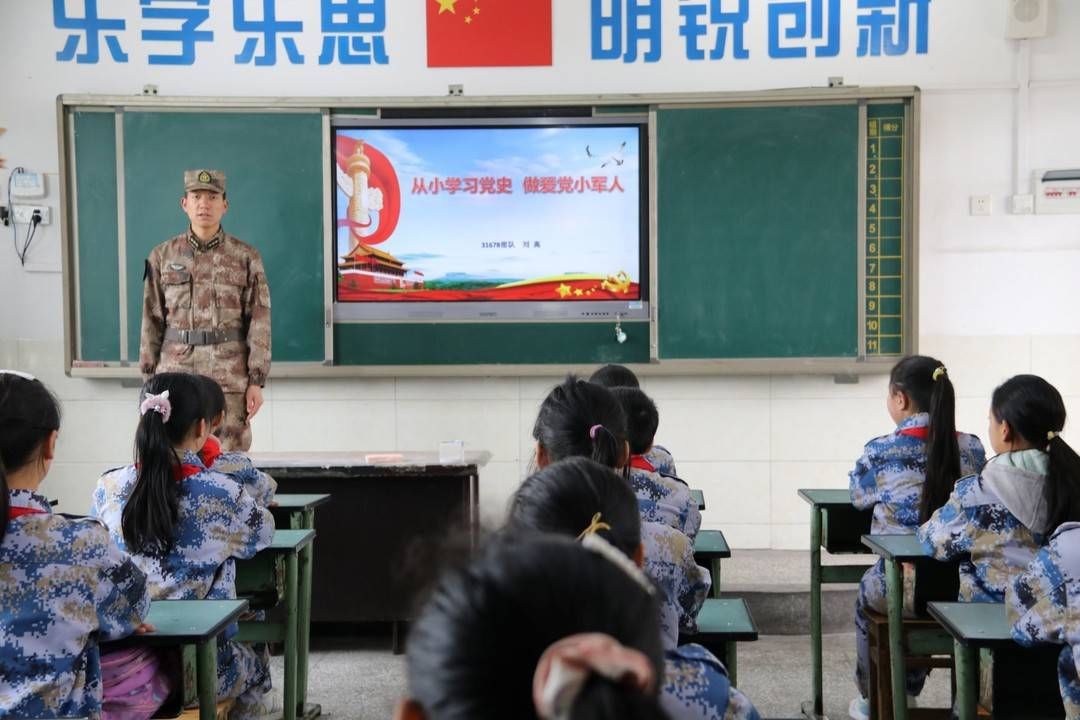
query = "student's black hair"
x=4 y=502
x=915 y=377
x=214 y=397
x=29 y=413
x=611 y=376
x=474 y=649
x=642 y=418
x=1033 y=408
x=150 y=515
x=567 y=424
x=563 y=498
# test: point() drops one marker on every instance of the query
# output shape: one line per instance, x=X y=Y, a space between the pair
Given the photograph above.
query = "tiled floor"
x=359 y=679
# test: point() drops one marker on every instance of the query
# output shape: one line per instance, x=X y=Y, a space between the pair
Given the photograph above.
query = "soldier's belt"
x=210 y=336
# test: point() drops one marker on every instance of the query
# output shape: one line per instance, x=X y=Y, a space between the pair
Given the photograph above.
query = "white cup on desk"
x=452 y=452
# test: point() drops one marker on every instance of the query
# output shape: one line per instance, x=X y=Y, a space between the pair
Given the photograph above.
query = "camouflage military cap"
x=202 y=179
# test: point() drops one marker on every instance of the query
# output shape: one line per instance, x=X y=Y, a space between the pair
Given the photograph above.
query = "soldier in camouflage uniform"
x=206 y=307
x=1042 y=605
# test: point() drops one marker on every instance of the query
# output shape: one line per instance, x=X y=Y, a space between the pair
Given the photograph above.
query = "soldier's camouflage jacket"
x=219 y=285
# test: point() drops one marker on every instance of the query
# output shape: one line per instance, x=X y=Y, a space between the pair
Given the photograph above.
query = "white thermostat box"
x=1057 y=191
x=27 y=184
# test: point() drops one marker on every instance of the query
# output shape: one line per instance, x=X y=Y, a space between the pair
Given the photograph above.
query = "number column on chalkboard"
x=884 y=232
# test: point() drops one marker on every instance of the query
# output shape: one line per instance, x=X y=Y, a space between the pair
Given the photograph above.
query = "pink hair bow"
x=159 y=404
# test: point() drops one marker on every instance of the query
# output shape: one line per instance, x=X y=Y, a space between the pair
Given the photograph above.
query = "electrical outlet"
x=24 y=214
x=1023 y=204
x=981 y=205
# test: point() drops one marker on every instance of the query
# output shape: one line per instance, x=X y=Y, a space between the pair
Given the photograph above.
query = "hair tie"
x=597 y=544
x=159 y=404
x=595 y=526
x=564 y=668
x=938 y=372
x=593 y=430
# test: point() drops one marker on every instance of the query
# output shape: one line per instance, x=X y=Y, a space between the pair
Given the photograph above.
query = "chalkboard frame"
x=840 y=367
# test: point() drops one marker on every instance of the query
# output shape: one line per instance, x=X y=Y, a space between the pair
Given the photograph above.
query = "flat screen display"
x=489 y=217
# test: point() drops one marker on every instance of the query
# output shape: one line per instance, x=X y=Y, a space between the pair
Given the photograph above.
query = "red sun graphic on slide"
x=368 y=178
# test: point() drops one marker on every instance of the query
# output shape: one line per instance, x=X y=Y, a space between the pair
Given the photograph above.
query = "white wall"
x=997 y=294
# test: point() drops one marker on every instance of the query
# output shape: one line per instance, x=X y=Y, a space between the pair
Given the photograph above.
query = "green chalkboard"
x=96 y=235
x=757 y=214
x=273 y=163
x=758 y=232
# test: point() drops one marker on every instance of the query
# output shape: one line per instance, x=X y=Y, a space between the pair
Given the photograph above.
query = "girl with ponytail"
x=68 y=586
x=579 y=498
x=583 y=419
x=1002 y=516
x=584 y=643
x=184 y=524
x=904 y=477
x=1042 y=600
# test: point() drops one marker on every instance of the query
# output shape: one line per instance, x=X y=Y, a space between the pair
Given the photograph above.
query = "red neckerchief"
x=921 y=433
x=210 y=452
x=639 y=462
x=181 y=471
x=15 y=511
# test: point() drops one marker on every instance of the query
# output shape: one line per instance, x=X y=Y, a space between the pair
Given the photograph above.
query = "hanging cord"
x=31 y=230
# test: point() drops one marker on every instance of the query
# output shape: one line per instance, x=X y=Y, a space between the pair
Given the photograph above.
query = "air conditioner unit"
x=1027 y=19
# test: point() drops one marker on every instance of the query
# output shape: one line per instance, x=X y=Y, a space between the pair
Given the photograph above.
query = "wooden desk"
x=837 y=526
x=710 y=547
x=191 y=622
x=286 y=544
x=722 y=624
x=977 y=626
x=934 y=581
x=297 y=512
x=699 y=496
x=379 y=536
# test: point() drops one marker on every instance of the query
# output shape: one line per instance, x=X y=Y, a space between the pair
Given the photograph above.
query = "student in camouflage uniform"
x=661 y=499
x=184 y=525
x=235 y=464
x=904 y=477
x=1042 y=604
x=64 y=586
x=614 y=376
x=578 y=497
x=584 y=419
x=206 y=307
x=1002 y=515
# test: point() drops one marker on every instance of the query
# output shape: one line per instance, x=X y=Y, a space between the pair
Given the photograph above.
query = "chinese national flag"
x=488 y=33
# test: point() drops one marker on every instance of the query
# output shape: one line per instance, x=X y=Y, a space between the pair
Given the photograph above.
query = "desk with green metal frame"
x=710 y=547
x=722 y=624
x=896 y=550
x=259 y=572
x=836 y=525
x=297 y=512
x=978 y=626
x=699 y=496
x=191 y=622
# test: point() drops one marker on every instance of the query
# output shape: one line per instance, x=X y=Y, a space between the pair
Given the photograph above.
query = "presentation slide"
x=444 y=214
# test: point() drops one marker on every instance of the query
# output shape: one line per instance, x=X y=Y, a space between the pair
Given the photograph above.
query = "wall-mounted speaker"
x=1027 y=19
